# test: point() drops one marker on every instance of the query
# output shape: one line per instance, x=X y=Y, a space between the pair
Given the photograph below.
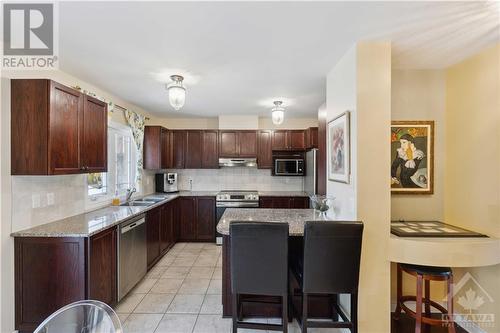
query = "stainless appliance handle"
x=132 y=226
x=227 y=204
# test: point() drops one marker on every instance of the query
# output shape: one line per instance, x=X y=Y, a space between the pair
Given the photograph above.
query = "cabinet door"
x=193 y=150
x=187 y=218
x=102 y=267
x=65 y=116
x=228 y=144
x=153 y=218
x=279 y=141
x=178 y=146
x=264 y=150
x=299 y=202
x=165 y=156
x=165 y=227
x=281 y=202
x=94 y=135
x=205 y=220
x=247 y=141
x=210 y=150
x=265 y=202
x=311 y=137
x=296 y=139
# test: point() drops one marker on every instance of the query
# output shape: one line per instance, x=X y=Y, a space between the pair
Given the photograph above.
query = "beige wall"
x=361 y=83
x=472 y=184
x=420 y=95
x=213 y=123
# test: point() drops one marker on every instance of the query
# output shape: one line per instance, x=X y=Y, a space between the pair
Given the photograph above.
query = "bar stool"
x=424 y=275
x=329 y=266
x=259 y=266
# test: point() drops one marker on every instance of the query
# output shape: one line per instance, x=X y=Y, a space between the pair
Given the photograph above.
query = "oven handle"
x=237 y=204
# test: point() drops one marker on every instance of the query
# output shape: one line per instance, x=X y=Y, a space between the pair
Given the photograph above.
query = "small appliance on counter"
x=166 y=182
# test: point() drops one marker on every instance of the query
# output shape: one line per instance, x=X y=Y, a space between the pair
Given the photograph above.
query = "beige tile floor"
x=182 y=293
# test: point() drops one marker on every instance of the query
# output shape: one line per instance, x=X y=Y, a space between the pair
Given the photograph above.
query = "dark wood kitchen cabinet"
x=197 y=218
x=205 y=219
x=51 y=272
x=187 y=218
x=264 y=150
x=102 y=271
x=283 y=202
x=167 y=237
x=237 y=143
x=311 y=137
x=210 y=150
x=56 y=130
x=193 y=149
x=153 y=220
x=178 y=148
x=288 y=140
x=156 y=148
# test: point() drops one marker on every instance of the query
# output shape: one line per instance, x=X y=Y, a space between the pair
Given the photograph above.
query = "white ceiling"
x=239 y=56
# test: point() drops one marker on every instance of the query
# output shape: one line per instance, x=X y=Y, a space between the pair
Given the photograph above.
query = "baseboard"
x=467 y=325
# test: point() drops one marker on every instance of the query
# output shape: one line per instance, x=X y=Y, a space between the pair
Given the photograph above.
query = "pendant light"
x=278 y=113
x=176 y=92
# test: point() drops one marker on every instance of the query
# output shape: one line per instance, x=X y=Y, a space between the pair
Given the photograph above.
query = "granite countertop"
x=91 y=223
x=296 y=218
x=283 y=194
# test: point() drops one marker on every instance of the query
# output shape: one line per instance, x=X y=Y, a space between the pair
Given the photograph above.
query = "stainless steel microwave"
x=283 y=166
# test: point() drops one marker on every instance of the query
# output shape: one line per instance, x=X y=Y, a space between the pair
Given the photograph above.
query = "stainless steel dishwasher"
x=132 y=254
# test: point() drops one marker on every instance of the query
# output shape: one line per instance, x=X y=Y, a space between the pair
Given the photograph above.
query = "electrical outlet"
x=35 y=200
x=50 y=199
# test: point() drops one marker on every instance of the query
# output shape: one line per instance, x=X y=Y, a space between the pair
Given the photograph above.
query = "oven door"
x=288 y=167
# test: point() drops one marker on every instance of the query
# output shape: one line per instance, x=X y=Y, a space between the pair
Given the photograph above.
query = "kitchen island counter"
x=296 y=218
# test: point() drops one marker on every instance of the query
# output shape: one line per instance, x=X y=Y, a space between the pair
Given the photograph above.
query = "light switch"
x=35 y=199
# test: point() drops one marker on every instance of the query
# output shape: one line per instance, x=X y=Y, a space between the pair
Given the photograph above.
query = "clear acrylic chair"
x=82 y=317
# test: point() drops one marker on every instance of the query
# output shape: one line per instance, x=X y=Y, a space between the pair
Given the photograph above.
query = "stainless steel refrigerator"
x=311 y=178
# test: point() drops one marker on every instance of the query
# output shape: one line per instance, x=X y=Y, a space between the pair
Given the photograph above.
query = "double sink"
x=146 y=201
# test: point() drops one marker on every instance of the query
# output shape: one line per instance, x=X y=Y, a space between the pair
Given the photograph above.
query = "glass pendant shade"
x=176 y=92
x=278 y=113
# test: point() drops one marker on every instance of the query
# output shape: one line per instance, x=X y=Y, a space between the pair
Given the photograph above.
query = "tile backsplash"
x=42 y=199
x=236 y=179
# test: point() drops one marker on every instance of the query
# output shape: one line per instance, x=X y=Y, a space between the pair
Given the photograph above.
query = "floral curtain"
x=136 y=123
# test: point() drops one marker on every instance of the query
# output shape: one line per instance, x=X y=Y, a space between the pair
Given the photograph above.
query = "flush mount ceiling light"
x=176 y=92
x=278 y=113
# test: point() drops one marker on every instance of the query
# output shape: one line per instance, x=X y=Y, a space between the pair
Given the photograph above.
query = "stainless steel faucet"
x=130 y=191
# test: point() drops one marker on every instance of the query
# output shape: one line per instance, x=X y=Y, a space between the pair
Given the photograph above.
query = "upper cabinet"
x=237 y=143
x=210 y=149
x=56 y=130
x=156 y=148
x=288 y=140
x=193 y=149
x=264 y=150
x=311 y=136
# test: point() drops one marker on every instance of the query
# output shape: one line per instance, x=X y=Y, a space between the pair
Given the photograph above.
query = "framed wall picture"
x=339 y=148
x=412 y=154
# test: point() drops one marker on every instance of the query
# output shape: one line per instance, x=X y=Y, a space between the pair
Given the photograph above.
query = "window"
x=121 y=166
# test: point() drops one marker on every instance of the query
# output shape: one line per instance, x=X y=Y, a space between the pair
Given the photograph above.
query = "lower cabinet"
x=51 y=272
x=197 y=218
x=284 y=202
x=153 y=218
x=160 y=231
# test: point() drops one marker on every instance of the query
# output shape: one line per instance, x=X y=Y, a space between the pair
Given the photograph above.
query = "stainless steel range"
x=234 y=199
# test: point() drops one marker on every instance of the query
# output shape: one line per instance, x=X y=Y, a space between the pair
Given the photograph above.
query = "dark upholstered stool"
x=425 y=274
x=330 y=266
x=259 y=266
